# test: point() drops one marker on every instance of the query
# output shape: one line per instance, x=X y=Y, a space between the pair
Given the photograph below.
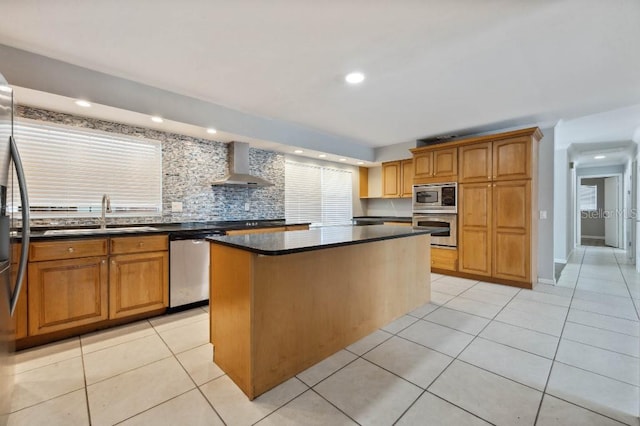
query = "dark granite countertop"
x=185 y=229
x=280 y=243
x=379 y=220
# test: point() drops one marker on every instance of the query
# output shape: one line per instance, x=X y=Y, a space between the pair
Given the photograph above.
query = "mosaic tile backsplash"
x=189 y=165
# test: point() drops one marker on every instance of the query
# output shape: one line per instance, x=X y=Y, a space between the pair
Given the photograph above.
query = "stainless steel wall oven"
x=448 y=238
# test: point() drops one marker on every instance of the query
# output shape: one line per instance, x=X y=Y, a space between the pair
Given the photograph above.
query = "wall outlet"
x=176 y=207
x=247 y=206
x=543 y=214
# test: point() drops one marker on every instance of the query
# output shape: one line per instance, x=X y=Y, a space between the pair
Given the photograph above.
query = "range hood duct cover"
x=239 y=168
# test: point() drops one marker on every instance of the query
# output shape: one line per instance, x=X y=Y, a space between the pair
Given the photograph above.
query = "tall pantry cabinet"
x=497 y=203
x=497 y=198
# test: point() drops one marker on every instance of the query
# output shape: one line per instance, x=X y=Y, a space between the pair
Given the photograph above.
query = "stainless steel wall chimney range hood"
x=239 y=168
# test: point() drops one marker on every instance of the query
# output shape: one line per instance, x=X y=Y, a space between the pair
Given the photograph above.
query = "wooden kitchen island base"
x=273 y=316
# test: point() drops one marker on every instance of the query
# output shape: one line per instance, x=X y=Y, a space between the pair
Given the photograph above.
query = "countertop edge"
x=415 y=232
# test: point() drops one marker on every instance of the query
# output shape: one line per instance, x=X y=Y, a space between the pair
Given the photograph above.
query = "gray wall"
x=189 y=165
x=592 y=223
x=546 y=151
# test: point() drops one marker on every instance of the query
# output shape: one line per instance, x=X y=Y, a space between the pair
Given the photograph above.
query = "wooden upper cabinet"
x=475 y=162
x=397 y=179
x=423 y=164
x=391 y=175
x=512 y=159
x=445 y=163
x=435 y=165
x=407 y=178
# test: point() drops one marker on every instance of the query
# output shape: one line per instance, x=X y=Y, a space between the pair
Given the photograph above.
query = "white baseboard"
x=563 y=261
x=593 y=237
x=547 y=281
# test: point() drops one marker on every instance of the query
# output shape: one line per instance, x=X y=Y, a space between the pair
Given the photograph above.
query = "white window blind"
x=588 y=197
x=317 y=194
x=68 y=169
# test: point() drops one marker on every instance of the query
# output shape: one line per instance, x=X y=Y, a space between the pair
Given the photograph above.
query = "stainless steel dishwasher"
x=189 y=269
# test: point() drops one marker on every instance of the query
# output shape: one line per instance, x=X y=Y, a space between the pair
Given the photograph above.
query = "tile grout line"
x=554 y=361
x=456 y=358
x=84 y=377
x=546 y=385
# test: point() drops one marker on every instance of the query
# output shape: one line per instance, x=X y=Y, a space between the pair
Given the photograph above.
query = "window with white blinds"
x=588 y=197
x=68 y=169
x=317 y=194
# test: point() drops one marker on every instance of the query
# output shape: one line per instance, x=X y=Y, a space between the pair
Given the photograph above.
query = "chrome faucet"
x=106 y=208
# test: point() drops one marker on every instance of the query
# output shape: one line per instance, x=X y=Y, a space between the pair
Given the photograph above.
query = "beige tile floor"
x=478 y=354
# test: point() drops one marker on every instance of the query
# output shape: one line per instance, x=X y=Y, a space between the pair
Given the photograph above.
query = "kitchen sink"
x=88 y=231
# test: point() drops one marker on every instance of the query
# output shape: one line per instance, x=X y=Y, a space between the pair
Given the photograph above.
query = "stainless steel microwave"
x=435 y=198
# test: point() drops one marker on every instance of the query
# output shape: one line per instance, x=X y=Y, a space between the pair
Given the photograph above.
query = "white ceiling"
x=432 y=66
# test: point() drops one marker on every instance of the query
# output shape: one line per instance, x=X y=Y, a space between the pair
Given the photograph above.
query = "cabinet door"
x=423 y=164
x=474 y=233
x=138 y=283
x=66 y=293
x=407 y=179
x=445 y=163
x=391 y=179
x=512 y=230
x=512 y=159
x=475 y=163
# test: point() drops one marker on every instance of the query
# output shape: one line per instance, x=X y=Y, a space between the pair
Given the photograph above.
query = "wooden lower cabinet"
x=20 y=314
x=495 y=231
x=67 y=293
x=138 y=283
x=443 y=258
x=512 y=230
x=475 y=210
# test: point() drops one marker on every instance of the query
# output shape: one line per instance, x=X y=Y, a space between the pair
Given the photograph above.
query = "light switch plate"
x=176 y=207
x=246 y=207
x=543 y=214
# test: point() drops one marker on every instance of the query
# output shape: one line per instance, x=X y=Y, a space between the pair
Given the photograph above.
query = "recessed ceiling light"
x=599 y=157
x=322 y=155
x=82 y=103
x=212 y=131
x=354 y=77
x=342 y=159
x=360 y=162
x=5 y=89
x=298 y=151
x=156 y=119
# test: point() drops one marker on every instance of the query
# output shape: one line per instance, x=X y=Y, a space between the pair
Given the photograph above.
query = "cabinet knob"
x=103 y=261
x=70 y=250
x=113 y=262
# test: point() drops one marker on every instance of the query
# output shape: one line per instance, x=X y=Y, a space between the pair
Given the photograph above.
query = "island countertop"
x=280 y=243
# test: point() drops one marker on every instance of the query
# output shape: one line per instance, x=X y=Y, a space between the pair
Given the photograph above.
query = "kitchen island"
x=282 y=302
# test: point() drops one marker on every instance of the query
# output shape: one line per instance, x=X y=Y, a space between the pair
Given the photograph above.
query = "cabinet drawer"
x=67 y=249
x=444 y=258
x=124 y=245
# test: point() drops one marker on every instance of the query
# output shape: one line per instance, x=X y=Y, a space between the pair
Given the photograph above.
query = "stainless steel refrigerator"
x=10 y=284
